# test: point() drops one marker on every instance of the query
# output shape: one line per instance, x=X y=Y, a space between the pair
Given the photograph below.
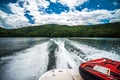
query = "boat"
x=61 y=74
x=100 y=69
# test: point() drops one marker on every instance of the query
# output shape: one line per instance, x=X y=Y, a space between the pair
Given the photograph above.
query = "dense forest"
x=53 y=30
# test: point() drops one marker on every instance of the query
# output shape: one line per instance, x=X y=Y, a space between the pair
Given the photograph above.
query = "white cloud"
x=33 y=7
x=17 y=21
x=16 y=9
x=53 y=1
x=116 y=16
x=72 y=3
x=84 y=17
x=35 y=3
x=13 y=20
x=76 y=17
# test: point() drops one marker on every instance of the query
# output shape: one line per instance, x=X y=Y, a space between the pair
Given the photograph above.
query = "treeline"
x=53 y=30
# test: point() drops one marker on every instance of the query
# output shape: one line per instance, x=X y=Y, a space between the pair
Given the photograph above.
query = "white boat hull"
x=61 y=74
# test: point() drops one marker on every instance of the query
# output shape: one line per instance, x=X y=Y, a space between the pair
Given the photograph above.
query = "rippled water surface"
x=29 y=58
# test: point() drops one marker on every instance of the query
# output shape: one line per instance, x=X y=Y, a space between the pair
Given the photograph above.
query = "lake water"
x=28 y=58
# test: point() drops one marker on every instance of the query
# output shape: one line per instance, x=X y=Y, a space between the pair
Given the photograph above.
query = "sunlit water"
x=29 y=58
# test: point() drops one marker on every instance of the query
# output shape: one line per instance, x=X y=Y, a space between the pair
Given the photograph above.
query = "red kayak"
x=100 y=69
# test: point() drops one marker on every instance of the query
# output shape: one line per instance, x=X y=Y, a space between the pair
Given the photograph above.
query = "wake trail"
x=28 y=64
x=60 y=53
x=94 y=53
x=63 y=58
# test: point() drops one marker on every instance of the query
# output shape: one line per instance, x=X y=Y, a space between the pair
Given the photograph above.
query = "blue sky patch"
x=29 y=17
x=56 y=8
x=105 y=20
x=100 y=4
x=6 y=9
x=7 y=1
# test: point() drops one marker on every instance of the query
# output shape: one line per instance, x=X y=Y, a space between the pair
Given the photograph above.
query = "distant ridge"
x=53 y=30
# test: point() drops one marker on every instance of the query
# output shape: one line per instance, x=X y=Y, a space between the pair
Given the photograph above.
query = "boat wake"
x=27 y=64
x=59 y=53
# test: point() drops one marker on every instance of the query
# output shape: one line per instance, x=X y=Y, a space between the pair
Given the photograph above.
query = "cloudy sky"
x=22 y=13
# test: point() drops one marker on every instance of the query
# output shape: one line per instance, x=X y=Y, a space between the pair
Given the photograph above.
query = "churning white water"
x=93 y=53
x=30 y=63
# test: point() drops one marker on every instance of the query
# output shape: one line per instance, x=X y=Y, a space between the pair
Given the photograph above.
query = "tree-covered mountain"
x=53 y=30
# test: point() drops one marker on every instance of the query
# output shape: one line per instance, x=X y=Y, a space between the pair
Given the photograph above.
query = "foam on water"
x=64 y=59
x=28 y=64
x=93 y=53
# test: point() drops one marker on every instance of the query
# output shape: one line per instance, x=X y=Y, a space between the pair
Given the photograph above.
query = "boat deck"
x=61 y=74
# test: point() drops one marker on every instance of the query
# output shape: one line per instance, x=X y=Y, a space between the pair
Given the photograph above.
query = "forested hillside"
x=53 y=30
